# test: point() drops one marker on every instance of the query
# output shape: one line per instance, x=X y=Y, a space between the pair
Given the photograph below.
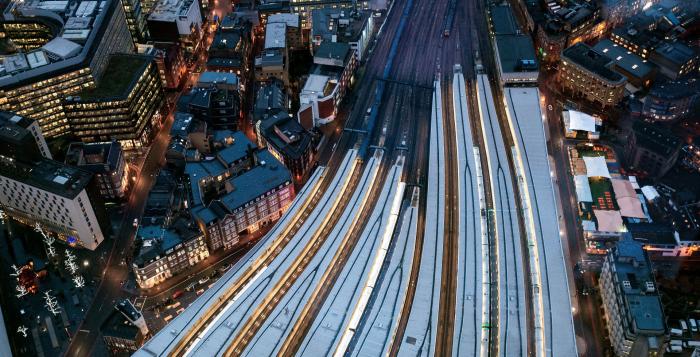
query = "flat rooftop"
x=655 y=138
x=275 y=35
x=121 y=75
x=291 y=20
x=624 y=59
x=52 y=176
x=516 y=53
x=593 y=61
x=170 y=10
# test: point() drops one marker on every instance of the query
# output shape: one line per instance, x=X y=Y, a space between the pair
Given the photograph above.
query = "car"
x=136 y=222
x=204 y=280
x=224 y=267
x=178 y=293
x=191 y=286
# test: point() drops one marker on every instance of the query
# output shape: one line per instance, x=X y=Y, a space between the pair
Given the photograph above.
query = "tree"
x=48 y=240
x=78 y=281
x=51 y=303
x=22 y=330
x=21 y=290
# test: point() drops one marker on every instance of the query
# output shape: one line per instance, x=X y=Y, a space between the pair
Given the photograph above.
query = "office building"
x=136 y=20
x=165 y=252
x=305 y=7
x=237 y=192
x=170 y=62
x=633 y=312
x=177 y=22
x=616 y=11
x=670 y=100
x=287 y=141
x=223 y=80
x=588 y=74
x=675 y=60
x=231 y=50
x=332 y=74
x=62 y=199
x=123 y=106
x=27 y=35
x=651 y=149
x=21 y=138
x=639 y=72
x=338 y=25
x=34 y=84
x=106 y=162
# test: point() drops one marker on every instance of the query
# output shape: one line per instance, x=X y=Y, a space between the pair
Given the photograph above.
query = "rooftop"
x=338 y=25
x=638 y=286
x=675 y=52
x=269 y=174
x=171 y=10
x=13 y=127
x=291 y=20
x=503 y=21
x=157 y=240
x=121 y=75
x=624 y=59
x=49 y=175
x=593 y=61
x=516 y=53
x=229 y=40
x=286 y=135
x=183 y=124
x=275 y=35
x=271 y=97
x=332 y=53
x=95 y=157
x=218 y=78
x=117 y=325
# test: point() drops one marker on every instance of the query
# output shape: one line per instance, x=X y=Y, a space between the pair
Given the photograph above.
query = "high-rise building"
x=34 y=84
x=633 y=313
x=62 y=199
x=122 y=107
x=176 y=22
x=136 y=20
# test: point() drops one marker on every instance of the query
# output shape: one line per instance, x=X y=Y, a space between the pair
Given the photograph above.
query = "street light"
x=86 y=263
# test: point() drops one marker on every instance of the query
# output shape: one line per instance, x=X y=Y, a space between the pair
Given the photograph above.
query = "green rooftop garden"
x=602 y=193
x=121 y=73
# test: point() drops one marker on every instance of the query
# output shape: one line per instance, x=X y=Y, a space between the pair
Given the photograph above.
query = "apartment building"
x=633 y=312
x=106 y=162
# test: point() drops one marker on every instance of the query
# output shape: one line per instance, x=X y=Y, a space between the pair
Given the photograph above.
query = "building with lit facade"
x=563 y=27
x=34 y=84
x=170 y=61
x=136 y=20
x=336 y=25
x=671 y=100
x=237 y=192
x=163 y=252
x=675 y=59
x=324 y=90
x=588 y=74
x=218 y=107
x=62 y=199
x=633 y=313
x=288 y=142
x=305 y=7
x=29 y=34
x=125 y=329
x=106 y=161
x=639 y=72
x=123 y=106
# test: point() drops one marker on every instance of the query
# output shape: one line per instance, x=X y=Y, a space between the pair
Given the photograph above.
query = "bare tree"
x=21 y=290
x=22 y=330
x=78 y=281
x=51 y=303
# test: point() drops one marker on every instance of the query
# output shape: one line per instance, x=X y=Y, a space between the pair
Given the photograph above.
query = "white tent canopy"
x=609 y=221
x=596 y=166
x=583 y=188
x=580 y=121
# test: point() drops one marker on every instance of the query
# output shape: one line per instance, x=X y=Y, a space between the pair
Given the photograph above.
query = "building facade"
x=21 y=137
x=287 y=141
x=652 y=149
x=670 y=100
x=123 y=107
x=165 y=252
x=588 y=74
x=62 y=199
x=62 y=67
x=633 y=313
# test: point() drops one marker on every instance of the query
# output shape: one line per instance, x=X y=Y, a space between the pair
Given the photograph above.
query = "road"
x=587 y=314
x=109 y=289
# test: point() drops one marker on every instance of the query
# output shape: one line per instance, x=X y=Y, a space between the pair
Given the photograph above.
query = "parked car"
x=204 y=280
x=225 y=267
x=178 y=293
